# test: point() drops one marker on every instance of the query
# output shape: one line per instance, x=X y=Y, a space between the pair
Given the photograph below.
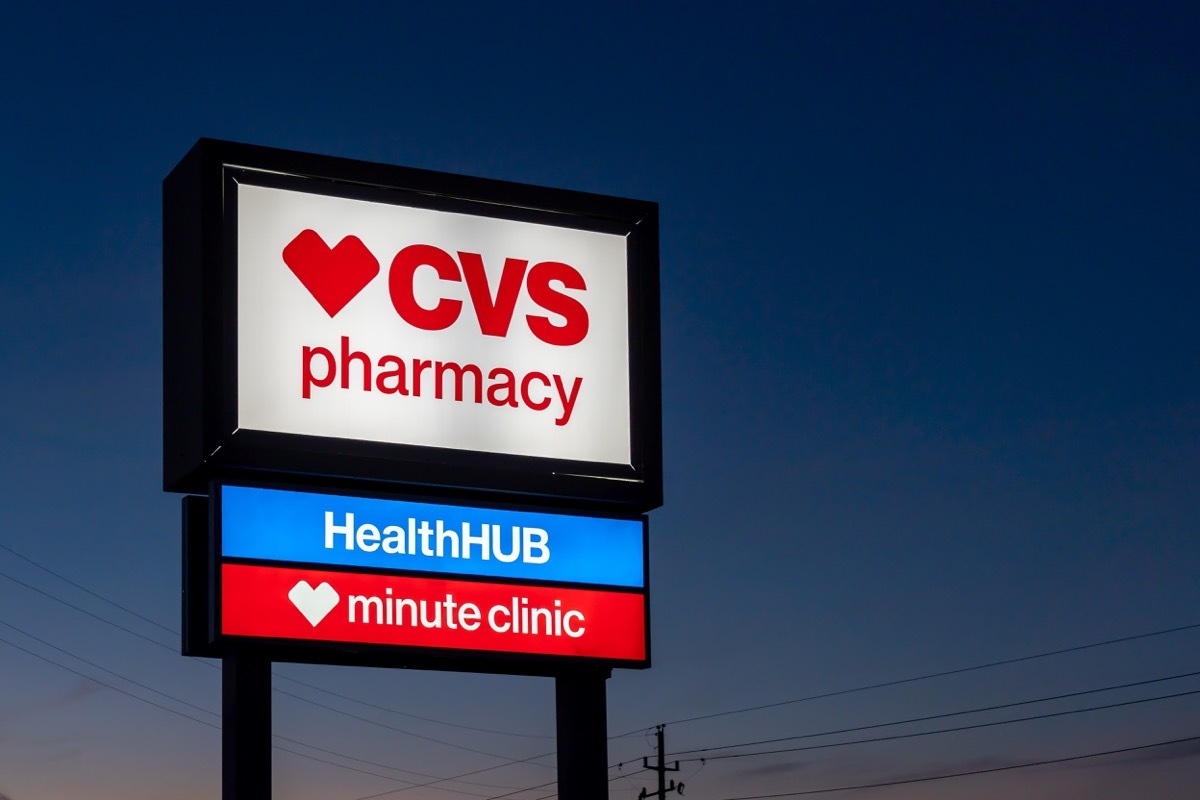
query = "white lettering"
x=425 y=532
x=481 y=539
x=393 y=541
x=439 y=540
x=535 y=539
x=368 y=538
x=511 y=556
x=345 y=530
x=468 y=616
x=365 y=604
x=519 y=618
x=566 y=623
x=444 y=534
x=492 y=619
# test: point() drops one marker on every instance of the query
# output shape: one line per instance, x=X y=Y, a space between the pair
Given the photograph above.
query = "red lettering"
x=347 y=358
x=540 y=405
x=397 y=373
x=550 y=285
x=508 y=384
x=400 y=285
x=575 y=327
x=459 y=371
x=494 y=315
x=568 y=400
x=310 y=380
x=419 y=366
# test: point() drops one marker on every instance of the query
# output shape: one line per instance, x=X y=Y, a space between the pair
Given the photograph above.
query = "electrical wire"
x=487 y=769
x=388 y=766
x=385 y=726
x=85 y=676
x=86 y=590
x=462 y=775
x=945 y=715
x=118 y=626
x=618 y=765
x=548 y=796
x=932 y=675
x=213 y=713
x=277 y=674
x=369 y=772
x=533 y=759
x=94 y=665
x=977 y=710
x=960 y=774
x=274 y=689
x=433 y=783
x=406 y=713
x=966 y=773
x=958 y=729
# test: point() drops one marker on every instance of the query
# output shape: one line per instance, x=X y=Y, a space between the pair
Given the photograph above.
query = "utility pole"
x=662 y=769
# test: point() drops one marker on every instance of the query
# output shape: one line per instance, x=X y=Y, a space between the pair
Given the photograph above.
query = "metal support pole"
x=582 y=715
x=245 y=727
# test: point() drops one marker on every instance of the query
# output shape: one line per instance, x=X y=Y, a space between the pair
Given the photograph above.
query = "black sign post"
x=245 y=727
x=582 y=721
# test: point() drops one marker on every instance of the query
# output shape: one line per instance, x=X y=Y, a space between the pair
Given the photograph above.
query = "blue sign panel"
x=277 y=525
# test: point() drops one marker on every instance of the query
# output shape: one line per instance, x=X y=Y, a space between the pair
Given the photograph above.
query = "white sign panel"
x=386 y=323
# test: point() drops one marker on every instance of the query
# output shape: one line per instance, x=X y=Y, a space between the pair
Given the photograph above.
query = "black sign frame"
x=201 y=437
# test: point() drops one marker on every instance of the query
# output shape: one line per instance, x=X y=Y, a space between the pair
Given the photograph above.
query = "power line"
x=945 y=715
x=433 y=783
x=118 y=626
x=217 y=727
x=384 y=725
x=917 y=734
x=465 y=775
x=960 y=728
x=498 y=766
x=931 y=717
x=511 y=762
x=942 y=674
x=387 y=766
x=86 y=590
x=548 y=796
x=618 y=765
x=526 y=789
x=966 y=773
x=110 y=686
x=276 y=690
x=406 y=713
x=369 y=772
x=104 y=669
x=274 y=746
x=174 y=632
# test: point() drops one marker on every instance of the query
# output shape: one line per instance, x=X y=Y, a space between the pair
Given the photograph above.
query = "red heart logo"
x=332 y=277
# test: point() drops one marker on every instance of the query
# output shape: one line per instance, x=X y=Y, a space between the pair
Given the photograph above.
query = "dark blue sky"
x=930 y=373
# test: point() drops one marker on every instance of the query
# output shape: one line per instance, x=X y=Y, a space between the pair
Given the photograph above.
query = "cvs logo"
x=334 y=276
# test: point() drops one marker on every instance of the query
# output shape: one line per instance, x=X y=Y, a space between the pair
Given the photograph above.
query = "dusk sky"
x=931 y=386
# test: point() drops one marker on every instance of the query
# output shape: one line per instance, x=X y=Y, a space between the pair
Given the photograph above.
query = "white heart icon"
x=314 y=604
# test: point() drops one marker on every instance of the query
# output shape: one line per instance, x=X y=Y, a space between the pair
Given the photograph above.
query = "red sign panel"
x=355 y=608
